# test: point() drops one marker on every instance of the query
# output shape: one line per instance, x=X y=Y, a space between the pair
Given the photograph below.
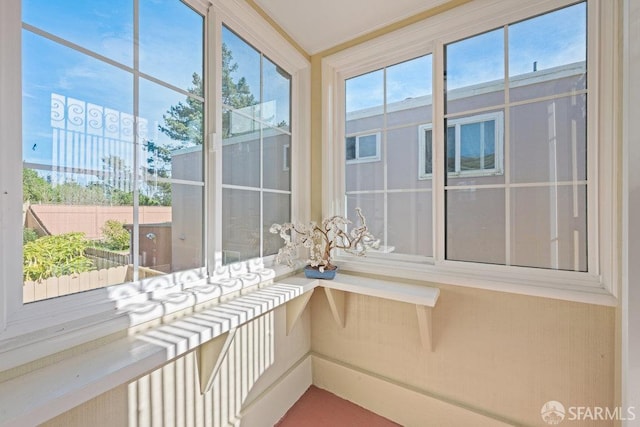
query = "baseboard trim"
x=402 y=403
x=273 y=403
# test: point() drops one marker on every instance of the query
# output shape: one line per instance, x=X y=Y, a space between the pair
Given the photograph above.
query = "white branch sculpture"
x=320 y=240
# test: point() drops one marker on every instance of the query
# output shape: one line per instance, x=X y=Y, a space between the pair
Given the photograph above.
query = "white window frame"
x=29 y=332
x=497 y=117
x=364 y=159
x=422 y=151
x=599 y=284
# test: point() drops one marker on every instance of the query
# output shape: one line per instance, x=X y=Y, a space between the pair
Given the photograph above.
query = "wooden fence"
x=71 y=284
x=104 y=258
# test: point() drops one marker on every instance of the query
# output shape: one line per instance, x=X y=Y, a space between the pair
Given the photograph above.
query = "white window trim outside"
x=286 y=157
x=599 y=285
x=365 y=159
x=32 y=331
x=497 y=116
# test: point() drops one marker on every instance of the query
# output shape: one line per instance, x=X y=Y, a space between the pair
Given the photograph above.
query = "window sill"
x=562 y=285
x=121 y=309
x=42 y=394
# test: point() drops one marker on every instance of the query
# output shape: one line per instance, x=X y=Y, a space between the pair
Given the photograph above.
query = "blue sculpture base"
x=314 y=273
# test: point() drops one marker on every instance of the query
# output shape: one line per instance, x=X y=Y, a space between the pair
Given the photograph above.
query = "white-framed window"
x=474 y=146
x=363 y=148
x=256 y=134
x=112 y=145
x=122 y=120
x=395 y=202
x=523 y=195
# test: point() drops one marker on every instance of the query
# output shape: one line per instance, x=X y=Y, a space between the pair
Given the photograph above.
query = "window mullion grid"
x=506 y=148
x=262 y=128
x=135 y=231
x=438 y=156
x=385 y=157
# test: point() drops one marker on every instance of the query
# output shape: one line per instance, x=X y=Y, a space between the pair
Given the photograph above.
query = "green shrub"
x=58 y=255
x=29 y=235
x=116 y=237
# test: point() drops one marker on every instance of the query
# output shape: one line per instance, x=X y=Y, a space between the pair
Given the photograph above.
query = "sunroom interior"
x=149 y=145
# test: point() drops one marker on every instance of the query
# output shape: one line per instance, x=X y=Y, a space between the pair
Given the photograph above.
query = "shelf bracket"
x=295 y=307
x=209 y=356
x=424 y=325
x=337 y=304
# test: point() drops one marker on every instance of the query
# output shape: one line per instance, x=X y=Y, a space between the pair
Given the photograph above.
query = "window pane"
x=257 y=150
x=489 y=145
x=548 y=140
x=475 y=226
x=276 y=107
x=372 y=206
x=175 y=56
x=547 y=54
x=409 y=223
x=364 y=176
x=549 y=227
x=240 y=74
x=187 y=225
x=474 y=72
x=364 y=102
x=391 y=150
x=170 y=125
x=409 y=92
x=241 y=219
x=402 y=164
x=113 y=37
x=277 y=172
x=241 y=152
x=103 y=178
x=78 y=179
x=470 y=146
x=277 y=210
x=368 y=146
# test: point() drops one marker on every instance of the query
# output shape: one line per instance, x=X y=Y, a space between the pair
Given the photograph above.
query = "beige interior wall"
x=260 y=357
x=495 y=353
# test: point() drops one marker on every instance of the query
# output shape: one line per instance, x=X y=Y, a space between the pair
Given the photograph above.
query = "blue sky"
x=106 y=28
x=275 y=86
x=170 y=50
x=553 y=39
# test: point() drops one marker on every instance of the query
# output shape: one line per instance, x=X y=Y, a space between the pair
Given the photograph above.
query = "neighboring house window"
x=474 y=146
x=256 y=120
x=491 y=168
x=363 y=147
x=113 y=126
